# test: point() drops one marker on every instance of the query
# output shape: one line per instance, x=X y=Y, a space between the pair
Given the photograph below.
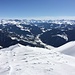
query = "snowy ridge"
x=68 y=48
x=25 y=60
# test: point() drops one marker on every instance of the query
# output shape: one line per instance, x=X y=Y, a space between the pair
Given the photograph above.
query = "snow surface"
x=68 y=48
x=25 y=60
x=63 y=36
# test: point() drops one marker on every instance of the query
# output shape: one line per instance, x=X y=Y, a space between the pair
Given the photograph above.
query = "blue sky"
x=36 y=8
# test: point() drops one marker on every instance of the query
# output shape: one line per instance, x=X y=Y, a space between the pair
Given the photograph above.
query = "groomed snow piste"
x=25 y=60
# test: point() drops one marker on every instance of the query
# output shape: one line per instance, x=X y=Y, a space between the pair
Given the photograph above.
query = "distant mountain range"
x=40 y=33
x=25 y=21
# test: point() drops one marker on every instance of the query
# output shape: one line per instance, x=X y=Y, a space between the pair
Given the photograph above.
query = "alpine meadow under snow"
x=26 y=60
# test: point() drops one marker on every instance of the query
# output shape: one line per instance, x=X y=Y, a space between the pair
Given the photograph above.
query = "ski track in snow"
x=25 y=60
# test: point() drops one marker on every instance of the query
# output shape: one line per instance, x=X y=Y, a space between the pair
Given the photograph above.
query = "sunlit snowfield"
x=25 y=60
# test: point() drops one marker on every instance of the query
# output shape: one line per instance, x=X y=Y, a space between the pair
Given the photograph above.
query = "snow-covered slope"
x=68 y=48
x=25 y=60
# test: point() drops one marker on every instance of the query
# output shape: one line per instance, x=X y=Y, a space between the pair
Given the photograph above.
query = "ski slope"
x=25 y=60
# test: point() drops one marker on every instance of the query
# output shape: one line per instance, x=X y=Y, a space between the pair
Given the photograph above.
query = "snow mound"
x=25 y=60
x=68 y=48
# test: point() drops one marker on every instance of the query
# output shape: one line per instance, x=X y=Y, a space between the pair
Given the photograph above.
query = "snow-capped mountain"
x=25 y=60
x=40 y=33
x=25 y=21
